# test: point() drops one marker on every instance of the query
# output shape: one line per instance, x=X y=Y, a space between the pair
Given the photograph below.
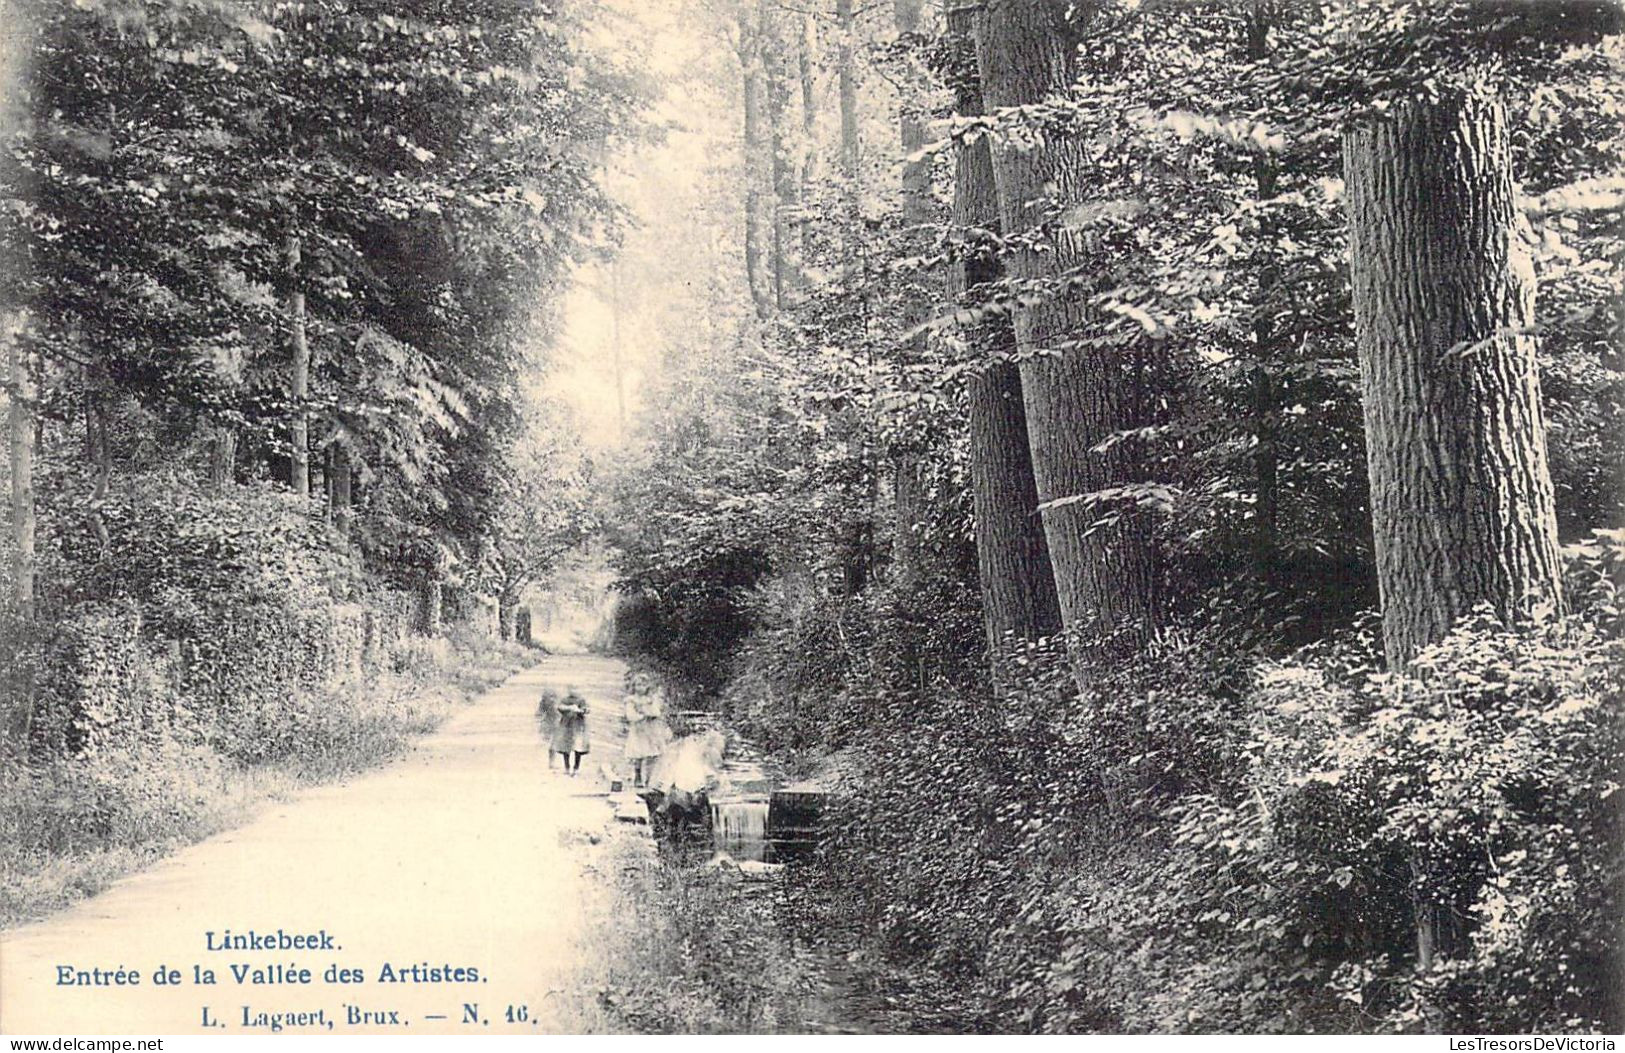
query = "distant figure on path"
x=547 y=714
x=647 y=732
x=570 y=735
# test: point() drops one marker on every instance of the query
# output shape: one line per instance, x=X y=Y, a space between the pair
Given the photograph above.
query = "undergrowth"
x=71 y=825
x=1212 y=839
x=701 y=953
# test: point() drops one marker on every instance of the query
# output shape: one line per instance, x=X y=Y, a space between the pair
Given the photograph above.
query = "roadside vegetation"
x=274 y=282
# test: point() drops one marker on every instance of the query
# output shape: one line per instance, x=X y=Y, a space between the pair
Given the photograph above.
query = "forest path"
x=460 y=854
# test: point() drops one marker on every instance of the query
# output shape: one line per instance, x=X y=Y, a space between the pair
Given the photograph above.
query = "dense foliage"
x=1239 y=827
x=433 y=169
x=276 y=280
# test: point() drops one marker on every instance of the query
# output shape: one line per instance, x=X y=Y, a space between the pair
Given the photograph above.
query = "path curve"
x=458 y=855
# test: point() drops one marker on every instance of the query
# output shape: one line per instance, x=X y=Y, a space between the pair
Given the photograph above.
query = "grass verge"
x=694 y=949
x=71 y=827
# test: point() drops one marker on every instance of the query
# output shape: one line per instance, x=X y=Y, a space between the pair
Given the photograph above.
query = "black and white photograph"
x=812 y=518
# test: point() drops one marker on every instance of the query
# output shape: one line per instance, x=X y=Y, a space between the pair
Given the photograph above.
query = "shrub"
x=1208 y=841
x=118 y=798
x=1479 y=791
x=227 y=635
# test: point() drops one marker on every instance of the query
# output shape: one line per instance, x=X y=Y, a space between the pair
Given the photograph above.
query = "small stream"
x=739 y=827
x=734 y=848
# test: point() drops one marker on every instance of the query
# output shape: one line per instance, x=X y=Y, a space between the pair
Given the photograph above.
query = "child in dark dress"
x=570 y=735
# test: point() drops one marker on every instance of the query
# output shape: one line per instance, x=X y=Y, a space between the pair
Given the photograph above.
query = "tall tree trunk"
x=848 y=87
x=1444 y=297
x=617 y=363
x=806 y=56
x=1105 y=573
x=909 y=489
x=777 y=59
x=371 y=639
x=299 y=387
x=1462 y=506
x=20 y=423
x=1018 y=584
x=1265 y=400
x=917 y=208
x=908 y=515
x=758 y=224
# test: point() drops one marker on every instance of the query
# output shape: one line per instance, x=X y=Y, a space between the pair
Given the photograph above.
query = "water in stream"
x=739 y=827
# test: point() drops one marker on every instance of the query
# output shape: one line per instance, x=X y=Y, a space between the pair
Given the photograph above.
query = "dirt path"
x=467 y=854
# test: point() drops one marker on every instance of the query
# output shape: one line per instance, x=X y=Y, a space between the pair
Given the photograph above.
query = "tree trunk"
x=432 y=600
x=917 y=208
x=1462 y=507
x=20 y=423
x=809 y=104
x=1444 y=297
x=1266 y=549
x=99 y=454
x=786 y=187
x=222 y=457
x=1105 y=573
x=1018 y=584
x=854 y=546
x=848 y=86
x=908 y=504
x=757 y=224
x=508 y=615
x=340 y=486
x=371 y=640
x=616 y=358
x=299 y=387
x=909 y=489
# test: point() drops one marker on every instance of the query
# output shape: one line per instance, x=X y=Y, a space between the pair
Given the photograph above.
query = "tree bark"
x=432 y=604
x=371 y=644
x=758 y=225
x=908 y=515
x=1266 y=549
x=222 y=456
x=20 y=423
x=99 y=454
x=299 y=386
x=911 y=130
x=909 y=490
x=848 y=88
x=1018 y=584
x=1444 y=295
x=508 y=615
x=1105 y=573
x=340 y=486
x=777 y=61
x=809 y=106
